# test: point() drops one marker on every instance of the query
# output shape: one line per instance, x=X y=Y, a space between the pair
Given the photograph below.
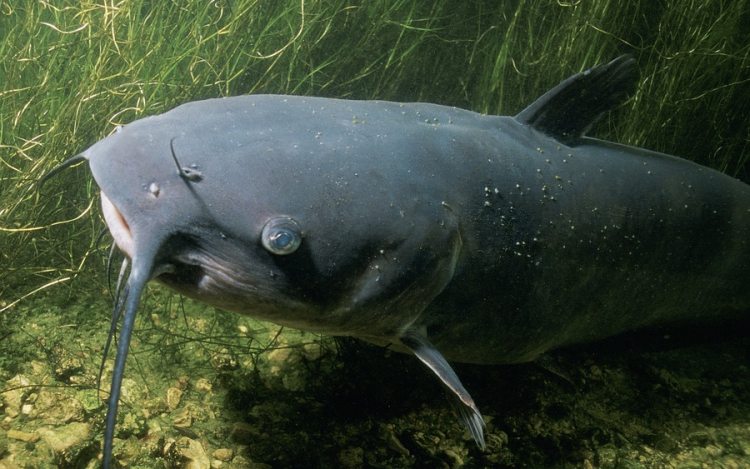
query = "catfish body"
x=500 y=240
x=481 y=239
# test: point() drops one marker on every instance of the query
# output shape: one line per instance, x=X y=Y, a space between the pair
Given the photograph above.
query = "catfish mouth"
x=191 y=274
x=117 y=225
x=212 y=277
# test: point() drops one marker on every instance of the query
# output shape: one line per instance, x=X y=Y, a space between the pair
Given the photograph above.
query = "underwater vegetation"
x=204 y=381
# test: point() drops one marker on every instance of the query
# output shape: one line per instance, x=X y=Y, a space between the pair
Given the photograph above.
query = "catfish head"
x=279 y=208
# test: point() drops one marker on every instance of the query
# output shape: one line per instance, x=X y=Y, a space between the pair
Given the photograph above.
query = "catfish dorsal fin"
x=460 y=398
x=566 y=111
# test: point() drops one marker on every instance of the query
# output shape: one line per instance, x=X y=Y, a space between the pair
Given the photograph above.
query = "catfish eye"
x=281 y=236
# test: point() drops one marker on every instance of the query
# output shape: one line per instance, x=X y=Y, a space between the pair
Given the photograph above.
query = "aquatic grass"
x=72 y=73
x=693 y=58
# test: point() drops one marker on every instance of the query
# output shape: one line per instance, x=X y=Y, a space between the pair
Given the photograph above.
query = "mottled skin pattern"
x=482 y=238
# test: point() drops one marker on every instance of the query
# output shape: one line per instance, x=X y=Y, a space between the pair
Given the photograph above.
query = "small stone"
x=173 y=398
x=453 y=458
x=169 y=450
x=126 y=451
x=192 y=455
x=395 y=444
x=63 y=439
x=183 y=420
x=18 y=388
x=182 y=382
x=23 y=436
x=223 y=454
x=38 y=367
x=153 y=407
x=280 y=355
x=203 y=385
x=57 y=408
x=312 y=351
x=130 y=391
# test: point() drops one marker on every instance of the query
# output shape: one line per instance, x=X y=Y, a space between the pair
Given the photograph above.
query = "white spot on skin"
x=154 y=189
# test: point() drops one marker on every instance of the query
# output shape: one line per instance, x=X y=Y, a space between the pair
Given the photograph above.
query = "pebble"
x=223 y=454
x=23 y=436
x=18 y=386
x=203 y=385
x=192 y=455
x=453 y=458
x=395 y=444
x=173 y=398
x=63 y=439
x=280 y=355
x=57 y=408
x=312 y=351
x=183 y=420
x=182 y=382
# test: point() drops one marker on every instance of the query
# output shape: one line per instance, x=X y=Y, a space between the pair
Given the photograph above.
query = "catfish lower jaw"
x=220 y=279
x=117 y=225
x=223 y=282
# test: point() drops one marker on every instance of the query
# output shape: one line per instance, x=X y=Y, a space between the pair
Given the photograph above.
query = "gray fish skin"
x=539 y=245
x=455 y=235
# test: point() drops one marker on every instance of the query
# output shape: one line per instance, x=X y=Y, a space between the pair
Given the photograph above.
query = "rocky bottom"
x=207 y=389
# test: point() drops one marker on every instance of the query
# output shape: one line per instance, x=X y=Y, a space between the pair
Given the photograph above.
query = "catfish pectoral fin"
x=463 y=403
